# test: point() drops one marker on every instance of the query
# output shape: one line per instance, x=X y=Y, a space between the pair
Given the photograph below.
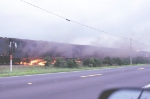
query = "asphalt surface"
x=73 y=85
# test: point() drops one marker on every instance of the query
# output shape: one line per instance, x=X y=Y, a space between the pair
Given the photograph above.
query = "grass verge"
x=29 y=70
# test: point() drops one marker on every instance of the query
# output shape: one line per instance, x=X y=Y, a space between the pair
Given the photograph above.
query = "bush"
x=92 y=62
x=86 y=62
x=72 y=64
x=96 y=62
x=60 y=62
x=126 y=61
x=117 y=61
x=139 y=60
x=108 y=61
x=48 y=61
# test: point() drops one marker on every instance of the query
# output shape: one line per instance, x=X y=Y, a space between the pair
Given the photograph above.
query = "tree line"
x=94 y=62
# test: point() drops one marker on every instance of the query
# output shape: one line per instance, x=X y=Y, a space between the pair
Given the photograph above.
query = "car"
x=126 y=93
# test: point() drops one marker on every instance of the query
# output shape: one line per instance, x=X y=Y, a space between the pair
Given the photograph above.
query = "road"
x=73 y=85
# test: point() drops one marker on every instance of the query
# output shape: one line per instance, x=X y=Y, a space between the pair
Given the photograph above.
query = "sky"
x=124 y=18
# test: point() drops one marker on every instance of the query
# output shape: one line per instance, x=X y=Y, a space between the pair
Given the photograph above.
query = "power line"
x=140 y=43
x=82 y=24
x=73 y=20
x=44 y=10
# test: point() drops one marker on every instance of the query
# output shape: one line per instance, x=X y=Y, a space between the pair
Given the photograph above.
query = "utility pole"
x=10 y=56
x=130 y=51
x=10 y=62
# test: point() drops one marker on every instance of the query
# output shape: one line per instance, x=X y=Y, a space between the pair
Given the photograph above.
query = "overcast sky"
x=126 y=18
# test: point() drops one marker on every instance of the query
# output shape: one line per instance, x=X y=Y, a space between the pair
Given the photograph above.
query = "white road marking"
x=147 y=86
x=91 y=75
x=98 y=74
x=141 y=68
x=83 y=76
x=29 y=83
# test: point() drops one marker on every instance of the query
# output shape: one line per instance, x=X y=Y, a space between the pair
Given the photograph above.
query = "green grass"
x=19 y=70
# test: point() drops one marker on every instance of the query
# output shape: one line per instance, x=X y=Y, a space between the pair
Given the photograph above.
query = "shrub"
x=60 y=62
x=117 y=61
x=92 y=62
x=108 y=61
x=72 y=64
x=126 y=61
x=48 y=61
x=86 y=62
x=139 y=60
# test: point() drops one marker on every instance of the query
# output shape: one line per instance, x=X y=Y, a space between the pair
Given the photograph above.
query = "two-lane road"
x=73 y=85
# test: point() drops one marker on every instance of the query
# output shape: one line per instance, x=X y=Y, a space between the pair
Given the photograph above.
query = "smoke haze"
x=129 y=18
